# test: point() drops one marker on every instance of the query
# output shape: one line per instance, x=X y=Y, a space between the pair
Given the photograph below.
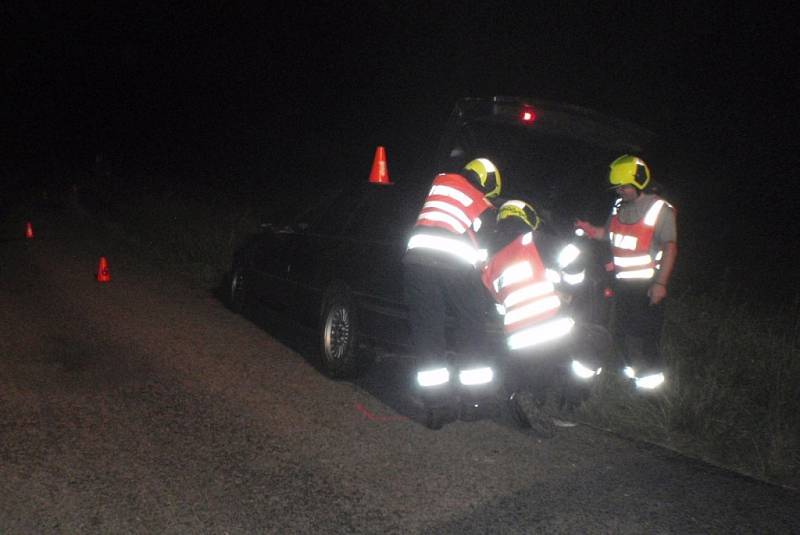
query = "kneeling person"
x=530 y=275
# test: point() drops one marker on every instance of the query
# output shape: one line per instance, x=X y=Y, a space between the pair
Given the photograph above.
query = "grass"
x=733 y=392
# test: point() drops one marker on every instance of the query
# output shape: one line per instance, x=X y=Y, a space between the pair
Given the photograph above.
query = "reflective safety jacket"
x=525 y=289
x=449 y=219
x=631 y=244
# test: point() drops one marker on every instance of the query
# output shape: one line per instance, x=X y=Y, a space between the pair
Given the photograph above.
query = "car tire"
x=339 y=354
x=237 y=288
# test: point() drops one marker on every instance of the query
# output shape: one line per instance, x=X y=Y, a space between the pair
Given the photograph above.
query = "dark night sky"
x=275 y=93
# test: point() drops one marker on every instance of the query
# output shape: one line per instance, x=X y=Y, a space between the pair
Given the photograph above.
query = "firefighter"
x=532 y=276
x=642 y=233
x=445 y=250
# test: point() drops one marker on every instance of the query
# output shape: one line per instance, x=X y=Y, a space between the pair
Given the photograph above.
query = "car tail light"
x=527 y=115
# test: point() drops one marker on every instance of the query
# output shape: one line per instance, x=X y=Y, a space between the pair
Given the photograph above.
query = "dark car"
x=337 y=267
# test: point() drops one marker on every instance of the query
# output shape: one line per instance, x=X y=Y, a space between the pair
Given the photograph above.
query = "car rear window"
x=336 y=215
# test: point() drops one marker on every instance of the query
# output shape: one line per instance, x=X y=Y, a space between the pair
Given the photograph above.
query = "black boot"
x=531 y=414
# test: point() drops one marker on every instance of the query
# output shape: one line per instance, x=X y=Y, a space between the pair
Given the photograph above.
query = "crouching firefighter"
x=446 y=248
x=532 y=276
x=642 y=234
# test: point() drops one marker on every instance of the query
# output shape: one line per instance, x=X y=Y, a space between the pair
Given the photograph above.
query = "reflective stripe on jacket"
x=455 y=206
x=631 y=243
x=519 y=281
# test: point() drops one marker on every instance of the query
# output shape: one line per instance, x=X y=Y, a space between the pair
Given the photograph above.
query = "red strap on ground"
x=377 y=418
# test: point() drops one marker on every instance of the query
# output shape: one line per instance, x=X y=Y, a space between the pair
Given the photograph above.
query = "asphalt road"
x=145 y=406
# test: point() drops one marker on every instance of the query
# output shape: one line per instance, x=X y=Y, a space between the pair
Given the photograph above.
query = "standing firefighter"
x=642 y=234
x=445 y=250
x=532 y=275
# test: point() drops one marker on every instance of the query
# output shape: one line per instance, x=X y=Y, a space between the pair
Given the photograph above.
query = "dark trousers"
x=429 y=291
x=637 y=328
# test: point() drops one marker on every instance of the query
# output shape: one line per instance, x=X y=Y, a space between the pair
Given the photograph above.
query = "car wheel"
x=338 y=335
x=237 y=290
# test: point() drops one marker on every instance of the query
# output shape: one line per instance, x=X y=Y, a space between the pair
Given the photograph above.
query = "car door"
x=269 y=266
x=274 y=256
x=321 y=252
x=382 y=236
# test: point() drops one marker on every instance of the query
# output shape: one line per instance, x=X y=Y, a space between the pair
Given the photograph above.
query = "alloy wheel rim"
x=337 y=332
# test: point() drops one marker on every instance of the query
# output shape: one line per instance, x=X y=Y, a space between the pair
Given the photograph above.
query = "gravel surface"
x=145 y=406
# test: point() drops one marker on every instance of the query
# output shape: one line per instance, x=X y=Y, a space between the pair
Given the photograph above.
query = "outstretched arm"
x=591 y=231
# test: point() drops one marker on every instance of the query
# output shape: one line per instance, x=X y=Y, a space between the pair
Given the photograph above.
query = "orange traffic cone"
x=29 y=230
x=380 y=171
x=102 y=271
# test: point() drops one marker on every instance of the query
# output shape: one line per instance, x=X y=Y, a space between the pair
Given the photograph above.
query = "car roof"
x=554 y=118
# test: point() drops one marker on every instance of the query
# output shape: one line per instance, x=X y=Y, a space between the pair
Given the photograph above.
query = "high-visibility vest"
x=631 y=243
x=455 y=206
x=525 y=289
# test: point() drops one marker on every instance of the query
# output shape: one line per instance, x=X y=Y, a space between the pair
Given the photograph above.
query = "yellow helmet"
x=520 y=210
x=485 y=175
x=629 y=170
